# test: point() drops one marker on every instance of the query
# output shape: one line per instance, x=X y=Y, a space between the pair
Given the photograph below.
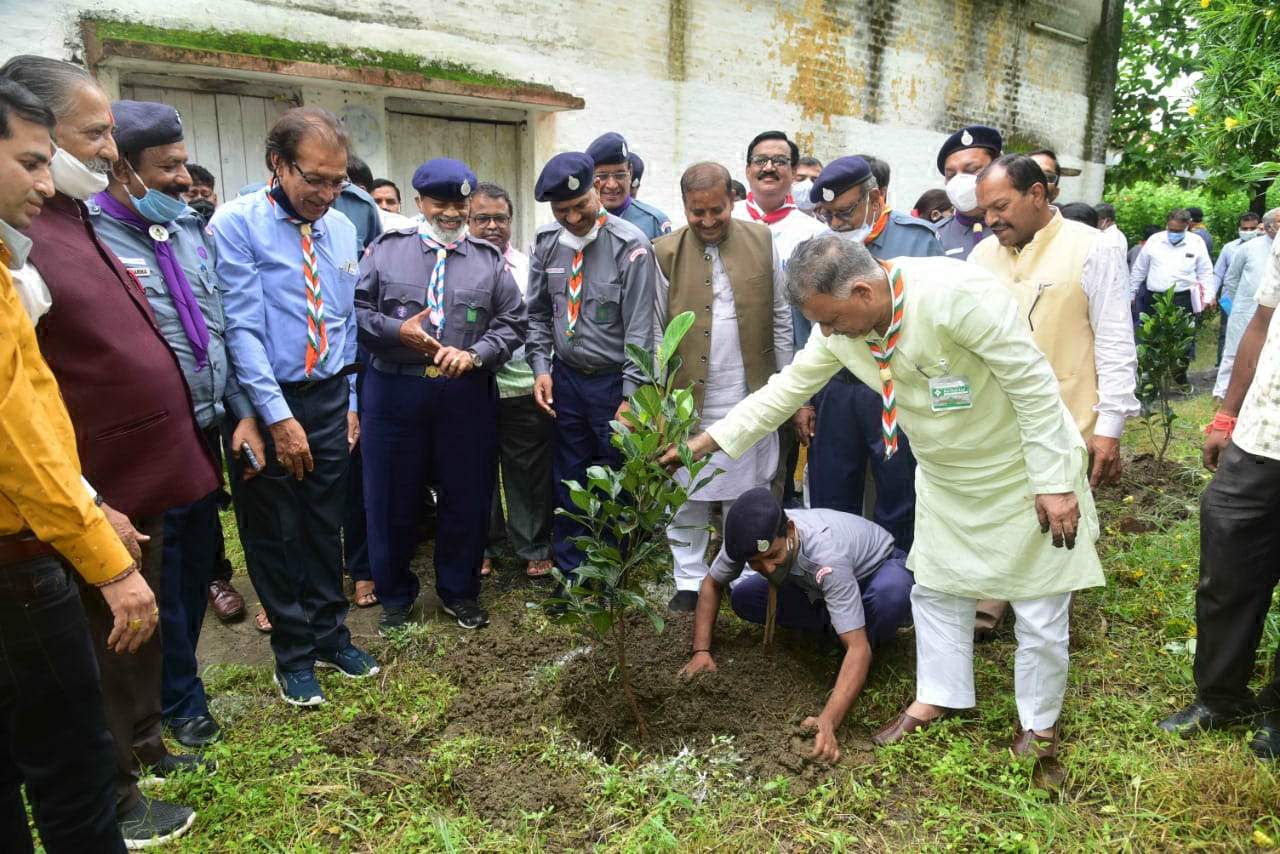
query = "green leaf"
x=671 y=338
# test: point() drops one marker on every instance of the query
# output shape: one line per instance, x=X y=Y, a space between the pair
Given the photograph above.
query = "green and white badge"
x=948 y=393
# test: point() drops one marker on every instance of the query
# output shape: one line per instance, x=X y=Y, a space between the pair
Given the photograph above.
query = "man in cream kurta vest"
x=1071 y=285
x=1001 y=481
x=727 y=273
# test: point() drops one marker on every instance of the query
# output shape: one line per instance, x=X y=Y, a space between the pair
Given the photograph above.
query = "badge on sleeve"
x=821 y=574
x=948 y=393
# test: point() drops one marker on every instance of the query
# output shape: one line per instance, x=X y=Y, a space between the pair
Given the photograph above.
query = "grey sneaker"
x=152 y=823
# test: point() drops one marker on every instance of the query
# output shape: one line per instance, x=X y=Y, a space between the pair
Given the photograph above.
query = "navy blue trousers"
x=355 y=548
x=584 y=405
x=850 y=435
x=191 y=535
x=886 y=602
x=416 y=431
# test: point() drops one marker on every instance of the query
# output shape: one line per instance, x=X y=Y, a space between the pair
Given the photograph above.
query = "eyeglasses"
x=490 y=219
x=622 y=177
x=844 y=215
x=1051 y=177
x=778 y=161
x=319 y=181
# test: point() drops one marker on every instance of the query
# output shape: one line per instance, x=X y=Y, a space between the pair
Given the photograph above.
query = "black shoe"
x=177 y=763
x=393 y=618
x=1198 y=717
x=1266 y=740
x=195 y=732
x=553 y=608
x=684 y=601
x=152 y=823
x=468 y=614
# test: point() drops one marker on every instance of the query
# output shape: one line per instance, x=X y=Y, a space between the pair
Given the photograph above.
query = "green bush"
x=1145 y=203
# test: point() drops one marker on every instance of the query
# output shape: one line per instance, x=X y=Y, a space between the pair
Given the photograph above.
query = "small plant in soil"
x=1164 y=341
x=626 y=510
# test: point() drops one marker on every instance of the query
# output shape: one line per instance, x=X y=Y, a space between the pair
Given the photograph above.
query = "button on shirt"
x=214 y=384
x=837 y=550
x=1258 y=427
x=483 y=310
x=1166 y=266
x=264 y=296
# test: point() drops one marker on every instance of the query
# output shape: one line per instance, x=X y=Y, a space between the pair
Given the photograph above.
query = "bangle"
x=707 y=651
x=121 y=577
x=1221 y=423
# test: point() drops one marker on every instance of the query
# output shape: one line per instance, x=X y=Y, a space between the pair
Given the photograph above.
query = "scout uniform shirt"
x=837 y=550
x=618 y=278
x=999 y=437
x=653 y=222
x=483 y=310
x=959 y=234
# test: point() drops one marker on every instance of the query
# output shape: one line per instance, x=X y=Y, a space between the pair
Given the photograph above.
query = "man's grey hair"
x=828 y=265
x=1270 y=217
x=53 y=81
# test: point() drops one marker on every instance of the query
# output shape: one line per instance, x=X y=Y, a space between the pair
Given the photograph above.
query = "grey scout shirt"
x=837 y=550
x=483 y=310
x=214 y=390
x=618 y=278
x=653 y=222
x=959 y=235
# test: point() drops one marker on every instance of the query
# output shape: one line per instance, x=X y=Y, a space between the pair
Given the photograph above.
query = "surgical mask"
x=962 y=190
x=1176 y=237
x=779 y=575
x=859 y=234
x=1247 y=235
x=158 y=207
x=72 y=178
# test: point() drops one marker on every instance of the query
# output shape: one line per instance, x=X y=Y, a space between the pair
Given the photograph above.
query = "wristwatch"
x=476 y=361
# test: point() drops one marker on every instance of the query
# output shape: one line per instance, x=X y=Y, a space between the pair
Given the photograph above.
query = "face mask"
x=1176 y=237
x=1247 y=235
x=962 y=190
x=859 y=234
x=779 y=575
x=158 y=207
x=72 y=178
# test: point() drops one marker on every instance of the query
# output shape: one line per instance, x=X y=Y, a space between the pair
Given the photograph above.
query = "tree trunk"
x=620 y=637
x=1258 y=191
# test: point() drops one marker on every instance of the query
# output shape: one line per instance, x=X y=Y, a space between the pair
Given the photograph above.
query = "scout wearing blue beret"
x=637 y=172
x=591 y=292
x=815 y=571
x=964 y=154
x=614 y=177
x=847 y=435
x=439 y=313
x=145 y=124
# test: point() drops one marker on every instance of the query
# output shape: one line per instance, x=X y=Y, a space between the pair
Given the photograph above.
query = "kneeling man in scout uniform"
x=827 y=571
x=439 y=313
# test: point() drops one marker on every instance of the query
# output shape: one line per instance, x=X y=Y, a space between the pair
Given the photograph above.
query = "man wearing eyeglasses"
x=288 y=263
x=846 y=431
x=613 y=179
x=1047 y=159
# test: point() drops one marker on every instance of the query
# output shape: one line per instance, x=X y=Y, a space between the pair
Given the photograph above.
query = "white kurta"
x=979 y=469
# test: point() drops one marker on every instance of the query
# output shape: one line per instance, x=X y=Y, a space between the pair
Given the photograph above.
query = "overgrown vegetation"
x=1164 y=341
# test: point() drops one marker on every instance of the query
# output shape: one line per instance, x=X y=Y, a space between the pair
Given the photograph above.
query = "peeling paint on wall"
x=813 y=43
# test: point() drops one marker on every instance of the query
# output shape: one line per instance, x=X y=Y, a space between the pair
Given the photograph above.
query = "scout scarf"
x=175 y=279
x=758 y=214
x=878 y=228
x=317 y=336
x=883 y=354
x=574 y=305
x=435 y=289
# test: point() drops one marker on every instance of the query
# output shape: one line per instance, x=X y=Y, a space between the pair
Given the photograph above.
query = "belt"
x=307 y=386
x=411 y=369
x=23 y=546
x=590 y=372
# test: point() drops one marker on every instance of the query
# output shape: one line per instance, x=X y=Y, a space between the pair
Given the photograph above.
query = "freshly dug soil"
x=390 y=752
x=506 y=791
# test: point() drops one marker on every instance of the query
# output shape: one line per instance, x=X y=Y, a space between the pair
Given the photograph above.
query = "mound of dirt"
x=508 y=791
x=390 y=751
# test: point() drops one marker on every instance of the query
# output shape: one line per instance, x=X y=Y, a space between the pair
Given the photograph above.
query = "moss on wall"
x=274 y=47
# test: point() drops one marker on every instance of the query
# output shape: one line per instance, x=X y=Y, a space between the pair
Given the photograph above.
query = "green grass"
x=1130 y=787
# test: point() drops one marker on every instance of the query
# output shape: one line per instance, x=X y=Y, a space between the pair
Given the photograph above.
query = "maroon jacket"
x=129 y=403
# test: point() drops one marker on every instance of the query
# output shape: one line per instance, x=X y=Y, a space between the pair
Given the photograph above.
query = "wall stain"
x=677 y=39
x=813 y=44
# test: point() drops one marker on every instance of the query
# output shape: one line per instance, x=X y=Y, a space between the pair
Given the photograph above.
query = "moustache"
x=101 y=165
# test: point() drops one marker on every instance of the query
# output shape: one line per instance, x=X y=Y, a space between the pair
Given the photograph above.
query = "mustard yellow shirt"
x=40 y=484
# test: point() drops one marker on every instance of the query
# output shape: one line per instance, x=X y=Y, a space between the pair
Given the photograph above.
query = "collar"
x=622 y=208
x=277 y=210
x=14 y=246
x=967 y=221
x=460 y=247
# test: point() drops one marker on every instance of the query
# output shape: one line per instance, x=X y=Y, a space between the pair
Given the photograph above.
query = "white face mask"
x=72 y=178
x=962 y=190
x=1248 y=235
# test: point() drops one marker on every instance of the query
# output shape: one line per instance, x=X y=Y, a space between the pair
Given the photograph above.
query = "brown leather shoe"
x=1027 y=743
x=898 y=729
x=226 y=601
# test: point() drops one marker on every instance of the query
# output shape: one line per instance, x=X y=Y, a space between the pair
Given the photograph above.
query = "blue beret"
x=609 y=148
x=445 y=179
x=752 y=523
x=837 y=176
x=637 y=168
x=566 y=176
x=973 y=136
x=145 y=124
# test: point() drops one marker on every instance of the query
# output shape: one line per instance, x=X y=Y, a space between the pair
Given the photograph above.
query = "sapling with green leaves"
x=1164 y=346
x=626 y=510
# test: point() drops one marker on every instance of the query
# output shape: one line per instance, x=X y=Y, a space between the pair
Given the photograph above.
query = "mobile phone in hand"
x=250 y=456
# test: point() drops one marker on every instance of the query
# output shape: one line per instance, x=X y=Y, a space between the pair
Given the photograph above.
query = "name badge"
x=553 y=271
x=141 y=272
x=351 y=267
x=948 y=393
x=472 y=315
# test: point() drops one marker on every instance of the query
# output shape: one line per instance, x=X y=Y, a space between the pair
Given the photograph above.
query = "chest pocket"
x=602 y=302
x=558 y=287
x=402 y=299
x=210 y=300
x=469 y=315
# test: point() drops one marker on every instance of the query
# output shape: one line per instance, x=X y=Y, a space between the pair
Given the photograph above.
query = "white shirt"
x=392 y=220
x=1180 y=267
x=788 y=233
x=518 y=265
x=1115 y=355
x=33 y=293
x=1258 y=427
x=1113 y=236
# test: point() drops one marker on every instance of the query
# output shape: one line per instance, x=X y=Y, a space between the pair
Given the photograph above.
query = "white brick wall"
x=941 y=63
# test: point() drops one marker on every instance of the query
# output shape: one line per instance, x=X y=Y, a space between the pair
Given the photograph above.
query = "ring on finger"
x=134 y=624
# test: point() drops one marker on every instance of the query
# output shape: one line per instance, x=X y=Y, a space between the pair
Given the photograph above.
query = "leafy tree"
x=626 y=510
x=1164 y=342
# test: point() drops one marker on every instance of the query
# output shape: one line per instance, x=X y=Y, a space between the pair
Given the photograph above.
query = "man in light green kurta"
x=1001 y=485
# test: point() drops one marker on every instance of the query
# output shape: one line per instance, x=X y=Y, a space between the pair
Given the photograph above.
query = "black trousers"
x=53 y=730
x=1239 y=569
x=290 y=531
x=526 y=437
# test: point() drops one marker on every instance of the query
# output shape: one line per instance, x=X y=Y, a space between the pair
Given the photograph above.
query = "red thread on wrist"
x=1222 y=423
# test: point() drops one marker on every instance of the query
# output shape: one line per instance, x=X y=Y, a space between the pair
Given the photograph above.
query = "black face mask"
x=203 y=208
x=779 y=575
x=282 y=199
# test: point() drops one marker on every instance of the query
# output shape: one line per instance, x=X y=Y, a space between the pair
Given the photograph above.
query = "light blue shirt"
x=264 y=295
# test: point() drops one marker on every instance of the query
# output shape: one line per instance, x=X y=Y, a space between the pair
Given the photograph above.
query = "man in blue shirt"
x=613 y=182
x=288 y=266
